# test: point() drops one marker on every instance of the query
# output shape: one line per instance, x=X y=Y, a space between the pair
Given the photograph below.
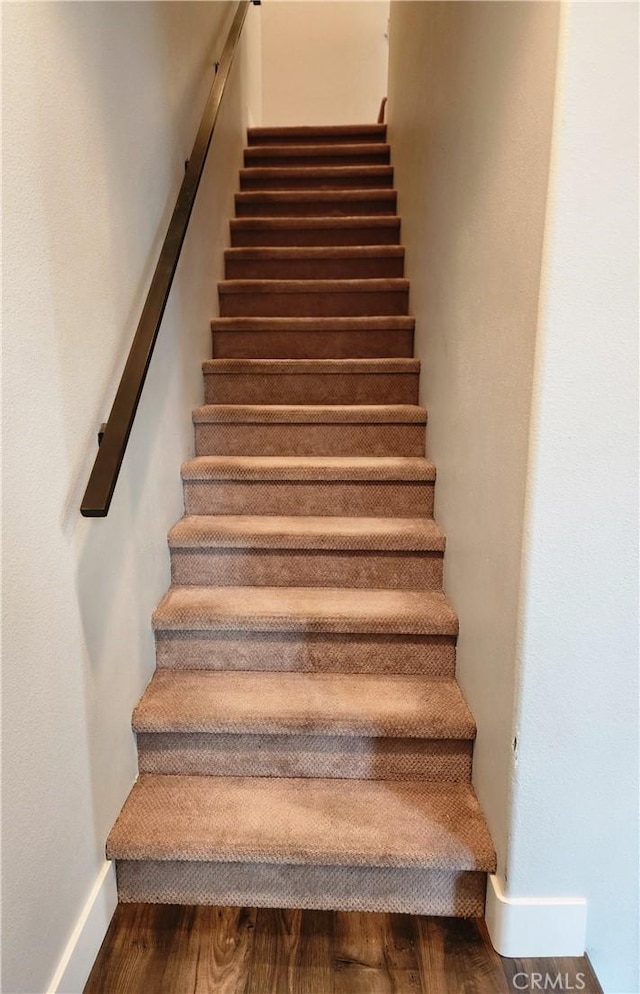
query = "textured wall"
x=575 y=804
x=470 y=110
x=323 y=61
x=101 y=103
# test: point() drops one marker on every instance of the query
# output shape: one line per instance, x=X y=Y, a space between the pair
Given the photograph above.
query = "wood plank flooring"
x=176 y=949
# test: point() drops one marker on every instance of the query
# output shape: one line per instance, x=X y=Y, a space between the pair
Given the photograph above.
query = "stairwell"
x=303 y=742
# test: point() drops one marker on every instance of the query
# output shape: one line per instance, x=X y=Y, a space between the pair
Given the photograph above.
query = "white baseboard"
x=90 y=929
x=535 y=926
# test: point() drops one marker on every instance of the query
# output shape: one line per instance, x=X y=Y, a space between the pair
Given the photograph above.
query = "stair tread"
x=315 y=367
x=243 y=702
x=302 y=821
x=310 y=172
x=306 y=609
x=370 y=468
x=306 y=532
x=371 y=285
x=319 y=130
x=343 y=148
x=304 y=196
x=309 y=413
x=372 y=323
x=316 y=252
x=327 y=221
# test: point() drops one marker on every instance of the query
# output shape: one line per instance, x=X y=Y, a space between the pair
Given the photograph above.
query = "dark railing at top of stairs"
x=115 y=433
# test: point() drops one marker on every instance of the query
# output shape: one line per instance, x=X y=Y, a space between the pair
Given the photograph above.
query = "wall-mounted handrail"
x=97 y=497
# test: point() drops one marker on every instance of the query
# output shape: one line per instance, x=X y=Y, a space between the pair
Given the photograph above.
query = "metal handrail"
x=116 y=431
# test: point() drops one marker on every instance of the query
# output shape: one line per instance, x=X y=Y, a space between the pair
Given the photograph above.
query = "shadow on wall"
x=115 y=185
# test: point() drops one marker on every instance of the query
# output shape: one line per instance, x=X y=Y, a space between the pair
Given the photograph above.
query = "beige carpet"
x=289 y=820
x=303 y=742
x=313 y=703
x=372 y=337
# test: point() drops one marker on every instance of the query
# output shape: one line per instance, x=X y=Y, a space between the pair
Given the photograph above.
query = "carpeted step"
x=317 y=134
x=303 y=742
x=315 y=203
x=313 y=298
x=311 y=381
x=301 y=551
x=230 y=840
x=320 y=629
x=305 y=755
x=316 y=263
x=334 y=888
x=311 y=703
x=359 y=726
x=301 y=610
x=330 y=154
x=340 y=430
x=316 y=178
x=313 y=338
x=382 y=229
x=344 y=486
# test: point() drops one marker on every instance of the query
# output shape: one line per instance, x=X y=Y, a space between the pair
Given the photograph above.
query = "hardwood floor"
x=175 y=949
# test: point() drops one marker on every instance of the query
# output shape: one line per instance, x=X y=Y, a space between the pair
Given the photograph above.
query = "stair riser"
x=310 y=237
x=381 y=179
x=322 y=157
x=309 y=440
x=326 y=136
x=307 y=568
x=339 y=888
x=426 y=655
x=336 y=388
x=315 y=269
x=355 y=207
x=352 y=757
x=339 y=498
x=307 y=304
x=312 y=345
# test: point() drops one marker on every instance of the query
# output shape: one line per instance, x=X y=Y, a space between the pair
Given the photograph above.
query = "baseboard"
x=520 y=927
x=82 y=948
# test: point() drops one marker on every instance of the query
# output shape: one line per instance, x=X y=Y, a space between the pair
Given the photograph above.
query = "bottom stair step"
x=308 y=842
x=451 y=893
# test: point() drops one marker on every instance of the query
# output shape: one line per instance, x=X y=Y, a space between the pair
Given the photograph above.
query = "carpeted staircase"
x=303 y=742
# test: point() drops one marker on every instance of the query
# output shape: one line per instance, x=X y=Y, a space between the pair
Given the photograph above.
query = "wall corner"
x=521 y=927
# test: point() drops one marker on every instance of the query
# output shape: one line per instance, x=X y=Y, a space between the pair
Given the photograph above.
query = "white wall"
x=531 y=382
x=470 y=109
x=101 y=103
x=323 y=61
x=252 y=66
x=575 y=803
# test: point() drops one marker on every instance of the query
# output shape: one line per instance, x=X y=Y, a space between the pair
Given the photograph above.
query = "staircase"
x=303 y=742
